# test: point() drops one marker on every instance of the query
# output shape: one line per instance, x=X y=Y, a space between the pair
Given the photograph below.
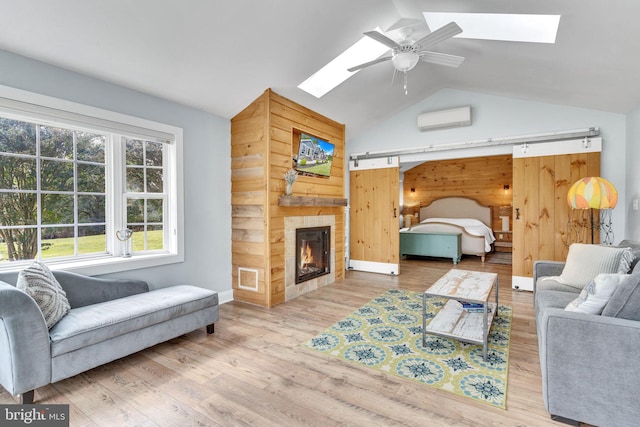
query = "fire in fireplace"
x=312 y=253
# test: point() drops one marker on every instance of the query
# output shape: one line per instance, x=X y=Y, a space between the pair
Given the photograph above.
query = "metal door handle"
x=394 y=213
x=517 y=213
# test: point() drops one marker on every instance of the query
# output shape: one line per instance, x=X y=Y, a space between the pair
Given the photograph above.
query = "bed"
x=449 y=216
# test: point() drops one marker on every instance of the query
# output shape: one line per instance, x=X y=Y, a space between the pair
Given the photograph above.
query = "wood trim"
x=310 y=201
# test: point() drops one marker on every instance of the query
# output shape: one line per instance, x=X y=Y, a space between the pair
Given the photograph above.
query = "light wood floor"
x=254 y=371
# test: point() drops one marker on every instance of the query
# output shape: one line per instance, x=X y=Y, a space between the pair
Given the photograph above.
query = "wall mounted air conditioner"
x=454 y=117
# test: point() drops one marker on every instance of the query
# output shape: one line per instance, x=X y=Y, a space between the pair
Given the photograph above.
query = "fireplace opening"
x=312 y=253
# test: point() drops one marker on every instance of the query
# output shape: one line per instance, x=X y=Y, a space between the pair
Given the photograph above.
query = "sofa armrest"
x=589 y=367
x=545 y=269
x=84 y=290
x=25 y=356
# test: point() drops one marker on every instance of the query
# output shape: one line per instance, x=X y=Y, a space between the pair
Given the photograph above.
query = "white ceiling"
x=219 y=56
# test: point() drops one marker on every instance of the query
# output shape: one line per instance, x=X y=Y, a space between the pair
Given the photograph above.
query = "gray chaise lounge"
x=109 y=319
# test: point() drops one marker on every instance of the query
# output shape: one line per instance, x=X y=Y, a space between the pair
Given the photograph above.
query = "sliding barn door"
x=541 y=214
x=373 y=216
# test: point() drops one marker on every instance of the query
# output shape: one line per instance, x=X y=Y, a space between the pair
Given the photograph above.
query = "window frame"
x=28 y=106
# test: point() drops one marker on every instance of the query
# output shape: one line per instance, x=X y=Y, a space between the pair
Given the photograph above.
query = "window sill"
x=105 y=265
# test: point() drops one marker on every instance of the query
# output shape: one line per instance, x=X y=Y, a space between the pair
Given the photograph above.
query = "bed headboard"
x=456 y=207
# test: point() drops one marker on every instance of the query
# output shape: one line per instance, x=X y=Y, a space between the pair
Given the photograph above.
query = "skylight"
x=499 y=26
x=335 y=72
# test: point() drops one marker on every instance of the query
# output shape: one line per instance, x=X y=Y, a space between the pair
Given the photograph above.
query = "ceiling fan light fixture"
x=405 y=61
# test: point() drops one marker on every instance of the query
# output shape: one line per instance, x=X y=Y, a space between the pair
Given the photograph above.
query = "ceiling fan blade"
x=366 y=64
x=439 y=35
x=379 y=37
x=441 y=59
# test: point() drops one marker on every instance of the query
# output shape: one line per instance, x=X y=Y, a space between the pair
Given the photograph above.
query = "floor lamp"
x=595 y=193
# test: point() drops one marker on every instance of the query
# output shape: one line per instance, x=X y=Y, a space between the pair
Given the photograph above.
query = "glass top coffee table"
x=453 y=321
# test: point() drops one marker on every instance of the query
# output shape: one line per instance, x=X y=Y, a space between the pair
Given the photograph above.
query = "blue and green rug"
x=386 y=334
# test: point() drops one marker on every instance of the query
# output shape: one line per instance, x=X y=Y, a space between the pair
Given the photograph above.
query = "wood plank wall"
x=479 y=178
x=262 y=150
x=249 y=145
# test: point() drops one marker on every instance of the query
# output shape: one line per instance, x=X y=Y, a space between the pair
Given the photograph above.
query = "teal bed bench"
x=434 y=244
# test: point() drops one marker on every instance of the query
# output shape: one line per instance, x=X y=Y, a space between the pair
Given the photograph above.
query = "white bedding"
x=471 y=226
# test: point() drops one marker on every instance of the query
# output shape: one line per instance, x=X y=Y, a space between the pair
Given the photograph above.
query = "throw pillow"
x=625 y=301
x=585 y=262
x=635 y=249
x=39 y=283
x=597 y=293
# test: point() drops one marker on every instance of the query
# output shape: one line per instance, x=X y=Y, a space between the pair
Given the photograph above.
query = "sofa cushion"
x=597 y=293
x=92 y=324
x=551 y=283
x=585 y=262
x=40 y=284
x=553 y=299
x=625 y=301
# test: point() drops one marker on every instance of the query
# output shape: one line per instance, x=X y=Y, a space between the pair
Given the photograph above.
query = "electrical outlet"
x=635 y=204
x=500 y=236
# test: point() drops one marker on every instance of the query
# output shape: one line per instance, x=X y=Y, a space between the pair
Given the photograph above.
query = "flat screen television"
x=315 y=156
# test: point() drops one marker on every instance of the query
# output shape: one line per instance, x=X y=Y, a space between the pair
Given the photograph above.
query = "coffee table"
x=452 y=321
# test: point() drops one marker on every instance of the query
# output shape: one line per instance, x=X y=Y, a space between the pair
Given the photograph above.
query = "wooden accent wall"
x=479 y=178
x=262 y=147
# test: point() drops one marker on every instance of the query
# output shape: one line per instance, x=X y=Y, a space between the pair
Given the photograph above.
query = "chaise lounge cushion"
x=92 y=324
x=41 y=285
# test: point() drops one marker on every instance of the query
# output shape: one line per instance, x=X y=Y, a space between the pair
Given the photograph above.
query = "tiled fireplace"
x=309 y=264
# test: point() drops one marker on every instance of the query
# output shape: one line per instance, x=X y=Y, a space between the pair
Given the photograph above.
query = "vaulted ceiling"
x=219 y=56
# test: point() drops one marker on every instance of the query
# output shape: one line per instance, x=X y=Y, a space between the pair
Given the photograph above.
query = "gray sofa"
x=589 y=363
x=108 y=319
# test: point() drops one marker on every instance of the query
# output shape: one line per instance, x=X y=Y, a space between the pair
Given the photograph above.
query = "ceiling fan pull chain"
x=405 y=83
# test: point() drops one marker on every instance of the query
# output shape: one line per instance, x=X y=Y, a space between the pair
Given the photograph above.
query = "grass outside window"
x=63 y=247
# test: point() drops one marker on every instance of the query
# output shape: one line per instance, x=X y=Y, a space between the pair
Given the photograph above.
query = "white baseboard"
x=225 y=296
x=522 y=283
x=374 y=267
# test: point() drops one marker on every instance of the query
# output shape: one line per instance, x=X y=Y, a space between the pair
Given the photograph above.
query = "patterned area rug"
x=386 y=334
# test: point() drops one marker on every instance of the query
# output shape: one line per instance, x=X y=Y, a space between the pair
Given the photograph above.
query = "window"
x=145 y=195
x=52 y=192
x=70 y=184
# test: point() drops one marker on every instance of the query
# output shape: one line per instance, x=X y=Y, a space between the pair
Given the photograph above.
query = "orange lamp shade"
x=592 y=193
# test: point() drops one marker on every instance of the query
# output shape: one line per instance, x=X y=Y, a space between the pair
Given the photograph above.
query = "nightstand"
x=504 y=241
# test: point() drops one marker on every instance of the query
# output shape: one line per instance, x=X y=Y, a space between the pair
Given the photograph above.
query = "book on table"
x=471 y=307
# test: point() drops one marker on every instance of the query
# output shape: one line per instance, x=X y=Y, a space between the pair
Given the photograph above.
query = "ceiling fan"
x=406 y=54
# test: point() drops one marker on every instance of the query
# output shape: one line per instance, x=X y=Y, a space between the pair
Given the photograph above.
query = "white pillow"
x=585 y=262
x=597 y=293
x=41 y=285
